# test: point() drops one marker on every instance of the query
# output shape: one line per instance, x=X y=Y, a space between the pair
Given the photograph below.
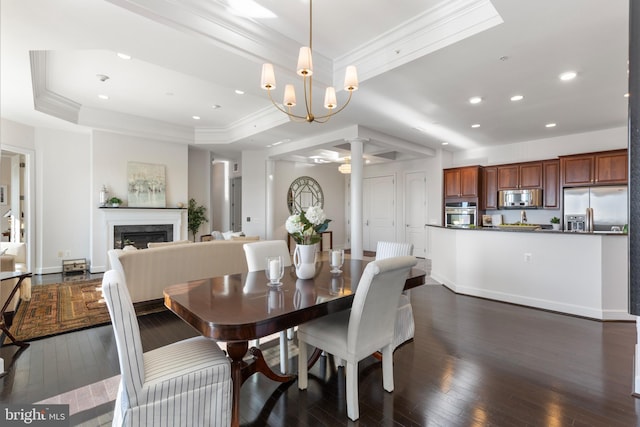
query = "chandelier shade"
x=305 y=70
x=345 y=168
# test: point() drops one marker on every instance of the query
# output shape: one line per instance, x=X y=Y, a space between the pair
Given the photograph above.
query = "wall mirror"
x=303 y=193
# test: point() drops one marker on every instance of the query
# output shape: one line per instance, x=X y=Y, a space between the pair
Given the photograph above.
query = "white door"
x=379 y=202
x=415 y=208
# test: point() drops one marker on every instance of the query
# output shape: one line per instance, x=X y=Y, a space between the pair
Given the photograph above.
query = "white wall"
x=542 y=149
x=332 y=183
x=63 y=198
x=110 y=154
x=199 y=184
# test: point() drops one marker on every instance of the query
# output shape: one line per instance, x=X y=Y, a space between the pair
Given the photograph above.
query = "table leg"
x=241 y=370
x=236 y=351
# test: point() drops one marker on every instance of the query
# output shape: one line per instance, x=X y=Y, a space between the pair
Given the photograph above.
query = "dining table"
x=238 y=308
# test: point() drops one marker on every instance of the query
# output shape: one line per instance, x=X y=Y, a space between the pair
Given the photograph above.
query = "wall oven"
x=461 y=214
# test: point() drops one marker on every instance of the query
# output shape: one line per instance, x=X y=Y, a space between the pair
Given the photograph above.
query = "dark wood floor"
x=473 y=362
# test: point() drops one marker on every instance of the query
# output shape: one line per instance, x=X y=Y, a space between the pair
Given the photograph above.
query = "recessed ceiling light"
x=239 y=92
x=445 y=143
x=123 y=56
x=568 y=75
x=475 y=125
x=101 y=96
x=215 y=106
x=475 y=100
x=517 y=98
x=196 y=117
x=626 y=95
x=550 y=125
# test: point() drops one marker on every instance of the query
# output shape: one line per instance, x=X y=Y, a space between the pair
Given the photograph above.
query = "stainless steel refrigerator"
x=609 y=205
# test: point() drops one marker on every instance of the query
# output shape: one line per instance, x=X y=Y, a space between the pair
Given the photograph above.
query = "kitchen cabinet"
x=489 y=188
x=461 y=182
x=551 y=184
x=520 y=175
x=604 y=168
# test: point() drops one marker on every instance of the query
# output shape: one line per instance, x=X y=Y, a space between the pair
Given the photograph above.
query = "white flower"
x=294 y=224
x=315 y=215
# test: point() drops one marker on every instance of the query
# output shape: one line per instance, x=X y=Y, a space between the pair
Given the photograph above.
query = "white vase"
x=555 y=226
x=304 y=259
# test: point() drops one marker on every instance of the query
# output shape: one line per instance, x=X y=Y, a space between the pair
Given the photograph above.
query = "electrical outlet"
x=527 y=257
x=60 y=254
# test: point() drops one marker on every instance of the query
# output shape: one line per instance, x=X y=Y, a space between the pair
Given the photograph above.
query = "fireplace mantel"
x=109 y=217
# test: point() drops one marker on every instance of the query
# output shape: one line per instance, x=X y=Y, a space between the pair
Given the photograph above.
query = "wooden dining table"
x=238 y=308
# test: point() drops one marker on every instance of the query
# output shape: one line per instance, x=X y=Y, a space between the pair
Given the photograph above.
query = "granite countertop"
x=528 y=229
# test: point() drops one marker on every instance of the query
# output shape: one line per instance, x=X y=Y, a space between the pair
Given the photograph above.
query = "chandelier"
x=305 y=69
x=346 y=166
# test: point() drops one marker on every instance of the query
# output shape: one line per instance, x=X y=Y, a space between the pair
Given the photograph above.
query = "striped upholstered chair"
x=187 y=383
x=405 y=326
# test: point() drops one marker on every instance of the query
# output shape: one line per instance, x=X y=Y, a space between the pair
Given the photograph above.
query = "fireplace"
x=140 y=235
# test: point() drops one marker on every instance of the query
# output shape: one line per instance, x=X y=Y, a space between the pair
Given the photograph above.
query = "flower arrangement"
x=305 y=227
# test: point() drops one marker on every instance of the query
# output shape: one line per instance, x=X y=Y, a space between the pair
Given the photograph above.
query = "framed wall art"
x=146 y=185
x=3 y=194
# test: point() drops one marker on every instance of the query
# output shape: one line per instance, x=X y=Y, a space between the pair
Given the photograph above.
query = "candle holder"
x=274 y=270
x=336 y=259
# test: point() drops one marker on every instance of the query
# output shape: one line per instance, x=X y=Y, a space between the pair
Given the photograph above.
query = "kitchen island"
x=583 y=274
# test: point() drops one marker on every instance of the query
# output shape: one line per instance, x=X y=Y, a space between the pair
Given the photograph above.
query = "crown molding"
x=252 y=124
x=446 y=23
x=45 y=100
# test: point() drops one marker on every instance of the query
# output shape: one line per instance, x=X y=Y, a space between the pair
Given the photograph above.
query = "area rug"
x=64 y=307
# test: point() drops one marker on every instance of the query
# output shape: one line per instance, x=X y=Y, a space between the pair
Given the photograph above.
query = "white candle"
x=335 y=258
x=274 y=269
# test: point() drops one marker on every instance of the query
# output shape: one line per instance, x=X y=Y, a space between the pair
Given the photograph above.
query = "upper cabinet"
x=489 y=188
x=461 y=182
x=520 y=175
x=604 y=168
x=551 y=187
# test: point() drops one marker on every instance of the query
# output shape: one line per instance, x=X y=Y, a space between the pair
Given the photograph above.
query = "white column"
x=357 y=170
x=270 y=196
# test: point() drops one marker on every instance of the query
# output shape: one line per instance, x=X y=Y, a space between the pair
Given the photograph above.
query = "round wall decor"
x=303 y=193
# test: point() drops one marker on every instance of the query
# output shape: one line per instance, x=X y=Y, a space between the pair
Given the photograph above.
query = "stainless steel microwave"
x=518 y=199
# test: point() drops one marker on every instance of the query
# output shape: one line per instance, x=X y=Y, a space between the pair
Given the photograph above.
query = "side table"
x=8 y=275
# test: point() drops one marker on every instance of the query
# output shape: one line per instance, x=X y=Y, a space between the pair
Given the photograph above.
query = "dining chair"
x=352 y=335
x=256 y=254
x=405 y=325
x=187 y=383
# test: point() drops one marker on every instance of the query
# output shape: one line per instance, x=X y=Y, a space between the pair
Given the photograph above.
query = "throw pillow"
x=4 y=251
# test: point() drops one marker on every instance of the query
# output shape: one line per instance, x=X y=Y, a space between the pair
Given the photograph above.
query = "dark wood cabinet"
x=520 y=175
x=489 y=188
x=604 y=168
x=551 y=184
x=461 y=182
x=611 y=168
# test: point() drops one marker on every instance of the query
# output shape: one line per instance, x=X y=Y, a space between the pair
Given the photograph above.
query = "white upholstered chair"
x=405 y=325
x=354 y=334
x=257 y=253
x=187 y=383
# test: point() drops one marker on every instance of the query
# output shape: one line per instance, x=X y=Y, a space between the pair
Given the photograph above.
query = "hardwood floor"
x=473 y=362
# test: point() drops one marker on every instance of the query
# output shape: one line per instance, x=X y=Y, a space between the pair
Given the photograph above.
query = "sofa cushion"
x=147 y=272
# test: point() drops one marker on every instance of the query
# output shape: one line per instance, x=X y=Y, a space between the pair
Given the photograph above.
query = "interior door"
x=379 y=201
x=236 y=204
x=415 y=208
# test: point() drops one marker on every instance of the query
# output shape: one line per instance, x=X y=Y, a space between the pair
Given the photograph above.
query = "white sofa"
x=148 y=271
